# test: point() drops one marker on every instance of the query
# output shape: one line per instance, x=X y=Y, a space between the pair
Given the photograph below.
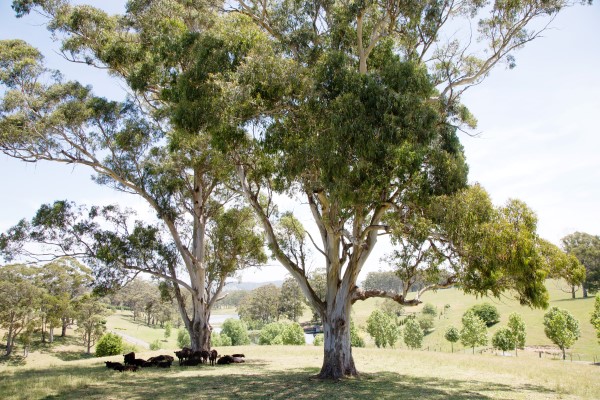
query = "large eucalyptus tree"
x=356 y=108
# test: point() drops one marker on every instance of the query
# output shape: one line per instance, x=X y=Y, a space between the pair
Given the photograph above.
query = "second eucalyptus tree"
x=132 y=146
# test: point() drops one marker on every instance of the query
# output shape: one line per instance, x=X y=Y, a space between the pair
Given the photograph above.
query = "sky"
x=537 y=139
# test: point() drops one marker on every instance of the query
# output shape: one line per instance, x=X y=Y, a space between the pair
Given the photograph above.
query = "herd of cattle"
x=186 y=357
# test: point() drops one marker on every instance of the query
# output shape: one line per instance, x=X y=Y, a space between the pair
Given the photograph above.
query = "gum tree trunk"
x=198 y=327
x=337 y=358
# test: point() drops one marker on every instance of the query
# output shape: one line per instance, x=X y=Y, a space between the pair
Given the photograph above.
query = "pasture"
x=63 y=371
x=284 y=372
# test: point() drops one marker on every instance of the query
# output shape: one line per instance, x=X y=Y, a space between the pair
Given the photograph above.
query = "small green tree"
x=503 y=340
x=413 y=334
x=517 y=329
x=452 y=335
x=383 y=329
x=474 y=331
x=487 y=312
x=237 y=331
x=293 y=334
x=110 y=344
x=260 y=307
x=562 y=328
x=168 y=328
x=91 y=321
x=183 y=338
x=595 y=320
x=291 y=300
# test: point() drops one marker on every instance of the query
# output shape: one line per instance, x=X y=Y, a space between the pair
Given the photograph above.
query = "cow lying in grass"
x=120 y=367
x=227 y=359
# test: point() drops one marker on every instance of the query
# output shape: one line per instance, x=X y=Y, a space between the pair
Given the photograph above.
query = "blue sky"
x=539 y=132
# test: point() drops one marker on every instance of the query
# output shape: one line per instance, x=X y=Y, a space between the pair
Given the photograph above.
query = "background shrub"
x=293 y=334
x=319 y=340
x=220 y=339
x=487 y=312
x=271 y=334
x=155 y=345
x=110 y=344
x=183 y=339
x=237 y=331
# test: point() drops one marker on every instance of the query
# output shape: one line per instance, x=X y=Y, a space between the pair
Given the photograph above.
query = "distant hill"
x=233 y=285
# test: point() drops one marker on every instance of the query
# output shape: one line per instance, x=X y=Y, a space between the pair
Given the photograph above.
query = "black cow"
x=112 y=365
x=223 y=360
x=122 y=368
x=128 y=358
x=183 y=354
x=213 y=356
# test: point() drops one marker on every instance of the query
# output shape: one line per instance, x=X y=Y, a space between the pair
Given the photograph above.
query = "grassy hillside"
x=284 y=372
x=586 y=348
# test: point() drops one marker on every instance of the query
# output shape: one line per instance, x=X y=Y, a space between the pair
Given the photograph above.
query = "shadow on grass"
x=47 y=347
x=248 y=382
x=12 y=360
x=72 y=355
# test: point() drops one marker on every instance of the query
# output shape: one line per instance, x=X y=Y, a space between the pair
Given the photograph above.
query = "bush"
x=319 y=339
x=237 y=331
x=130 y=348
x=183 y=338
x=391 y=307
x=355 y=339
x=487 y=312
x=429 y=309
x=271 y=334
x=293 y=335
x=221 y=339
x=155 y=345
x=110 y=344
x=426 y=323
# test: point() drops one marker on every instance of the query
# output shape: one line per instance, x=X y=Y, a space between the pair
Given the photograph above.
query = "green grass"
x=586 y=348
x=122 y=322
x=284 y=372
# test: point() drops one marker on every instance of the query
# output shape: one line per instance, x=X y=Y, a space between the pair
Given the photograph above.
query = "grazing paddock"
x=284 y=372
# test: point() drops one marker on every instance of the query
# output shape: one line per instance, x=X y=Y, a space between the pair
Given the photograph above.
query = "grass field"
x=287 y=372
x=586 y=348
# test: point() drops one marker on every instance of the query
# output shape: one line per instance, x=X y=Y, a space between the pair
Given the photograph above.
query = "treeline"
x=150 y=302
x=39 y=302
x=36 y=301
